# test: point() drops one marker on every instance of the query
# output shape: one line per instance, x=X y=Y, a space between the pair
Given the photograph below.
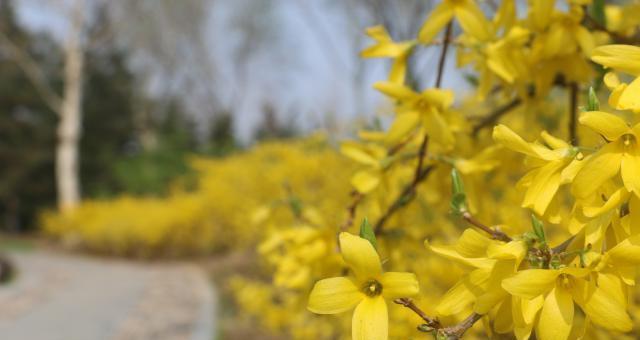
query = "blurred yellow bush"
x=231 y=196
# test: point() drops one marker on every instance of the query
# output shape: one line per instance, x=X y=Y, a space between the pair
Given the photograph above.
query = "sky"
x=307 y=67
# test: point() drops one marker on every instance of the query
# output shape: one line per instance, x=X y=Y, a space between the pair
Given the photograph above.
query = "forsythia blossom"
x=365 y=290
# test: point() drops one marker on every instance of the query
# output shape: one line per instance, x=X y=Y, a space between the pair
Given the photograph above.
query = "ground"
x=60 y=296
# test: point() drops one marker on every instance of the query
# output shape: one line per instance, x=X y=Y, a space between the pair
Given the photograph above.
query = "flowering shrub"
x=547 y=245
x=218 y=213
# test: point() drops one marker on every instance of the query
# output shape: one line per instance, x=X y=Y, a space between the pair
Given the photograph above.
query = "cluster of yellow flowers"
x=217 y=214
x=568 y=271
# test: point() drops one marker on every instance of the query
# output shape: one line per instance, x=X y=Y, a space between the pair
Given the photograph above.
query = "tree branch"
x=495 y=233
x=573 y=113
x=351 y=210
x=33 y=72
x=452 y=332
x=495 y=115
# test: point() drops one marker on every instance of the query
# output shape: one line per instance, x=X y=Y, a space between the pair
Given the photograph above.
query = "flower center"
x=628 y=140
x=372 y=288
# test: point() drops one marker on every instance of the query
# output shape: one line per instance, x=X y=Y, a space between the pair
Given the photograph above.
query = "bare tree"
x=67 y=105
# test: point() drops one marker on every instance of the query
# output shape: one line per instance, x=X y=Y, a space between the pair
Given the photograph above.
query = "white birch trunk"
x=67 y=157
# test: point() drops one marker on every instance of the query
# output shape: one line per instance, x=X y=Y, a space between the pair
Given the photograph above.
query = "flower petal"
x=628 y=98
x=609 y=125
x=402 y=126
x=599 y=168
x=370 y=320
x=437 y=19
x=511 y=140
x=630 y=170
x=463 y=293
x=531 y=283
x=556 y=317
x=365 y=181
x=396 y=285
x=360 y=255
x=620 y=57
x=543 y=187
x=334 y=295
x=604 y=308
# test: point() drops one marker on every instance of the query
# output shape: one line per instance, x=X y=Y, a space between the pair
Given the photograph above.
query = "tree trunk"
x=67 y=158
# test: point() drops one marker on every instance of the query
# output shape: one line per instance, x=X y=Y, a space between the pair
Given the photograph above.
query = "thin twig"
x=457 y=331
x=452 y=332
x=402 y=200
x=573 y=113
x=351 y=210
x=495 y=115
x=431 y=322
x=616 y=37
x=495 y=233
x=34 y=73
x=443 y=53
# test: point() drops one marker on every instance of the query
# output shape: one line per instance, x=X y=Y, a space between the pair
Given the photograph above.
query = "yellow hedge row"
x=231 y=196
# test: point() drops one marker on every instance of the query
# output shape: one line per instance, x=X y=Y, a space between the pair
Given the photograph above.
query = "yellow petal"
x=624 y=58
x=531 y=283
x=604 y=309
x=511 y=140
x=554 y=142
x=543 y=187
x=599 y=168
x=401 y=127
x=451 y=253
x=556 y=317
x=398 y=285
x=399 y=69
x=334 y=295
x=616 y=199
x=506 y=251
x=627 y=252
x=503 y=322
x=360 y=255
x=395 y=90
x=365 y=181
x=472 y=20
x=464 y=292
x=356 y=152
x=437 y=19
x=606 y=124
x=630 y=170
x=472 y=243
x=370 y=320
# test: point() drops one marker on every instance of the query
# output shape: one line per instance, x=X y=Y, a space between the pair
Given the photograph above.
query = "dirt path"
x=64 y=297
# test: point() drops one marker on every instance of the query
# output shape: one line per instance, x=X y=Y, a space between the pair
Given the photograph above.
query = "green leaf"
x=538 y=229
x=366 y=232
x=458 y=198
x=296 y=205
x=592 y=103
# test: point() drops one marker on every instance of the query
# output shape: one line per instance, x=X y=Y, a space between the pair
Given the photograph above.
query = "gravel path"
x=64 y=297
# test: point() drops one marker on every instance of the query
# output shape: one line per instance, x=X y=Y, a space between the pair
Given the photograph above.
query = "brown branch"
x=443 y=53
x=351 y=210
x=431 y=322
x=452 y=332
x=495 y=115
x=495 y=233
x=615 y=36
x=408 y=192
x=33 y=72
x=573 y=113
x=457 y=331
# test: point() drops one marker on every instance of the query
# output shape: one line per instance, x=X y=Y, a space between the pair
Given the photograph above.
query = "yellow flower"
x=385 y=47
x=413 y=107
x=371 y=155
x=365 y=291
x=553 y=165
x=621 y=154
x=468 y=14
x=626 y=59
x=601 y=299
